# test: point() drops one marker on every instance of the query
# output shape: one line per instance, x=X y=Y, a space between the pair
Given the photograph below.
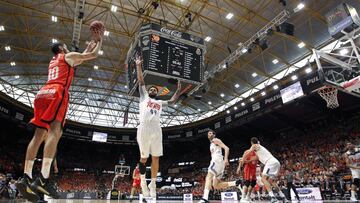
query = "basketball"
x=97 y=29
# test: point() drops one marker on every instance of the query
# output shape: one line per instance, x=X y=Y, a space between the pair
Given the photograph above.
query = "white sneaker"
x=248 y=199
x=144 y=190
x=243 y=200
x=152 y=188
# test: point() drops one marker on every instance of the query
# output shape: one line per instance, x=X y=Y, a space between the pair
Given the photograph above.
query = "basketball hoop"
x=329 y=94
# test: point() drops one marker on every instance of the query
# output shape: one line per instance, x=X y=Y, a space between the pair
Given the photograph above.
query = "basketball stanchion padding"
x=329 y=94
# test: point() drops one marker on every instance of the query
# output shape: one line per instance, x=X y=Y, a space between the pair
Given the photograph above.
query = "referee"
x=290 y=185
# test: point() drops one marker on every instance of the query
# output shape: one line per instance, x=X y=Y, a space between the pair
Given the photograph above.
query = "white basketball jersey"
x=216 y=152
x=149 y=109
x=354 y=157
x=263 y=154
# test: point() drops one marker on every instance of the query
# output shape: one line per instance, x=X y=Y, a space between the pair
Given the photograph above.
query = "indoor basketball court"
x=179 y=101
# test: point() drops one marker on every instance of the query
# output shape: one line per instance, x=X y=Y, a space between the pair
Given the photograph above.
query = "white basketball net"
x=329 y=94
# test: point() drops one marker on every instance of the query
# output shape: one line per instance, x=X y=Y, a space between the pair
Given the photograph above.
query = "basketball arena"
x=179 y=101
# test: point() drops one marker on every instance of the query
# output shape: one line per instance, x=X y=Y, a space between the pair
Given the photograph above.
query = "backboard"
x=339 y=67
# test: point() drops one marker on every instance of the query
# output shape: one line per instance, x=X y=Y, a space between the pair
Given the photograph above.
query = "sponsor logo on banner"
x=189 y=134
x=19 y=116
x=312 y=80
x=241 y=113
x=229 y=196
x=188 y=197
x=272 y=99
x=203 y=130
x=70 y=195
x=256 y=106
x=76 y=132
x=174 y=136
x=228 y=119
x=217 y=125
x=171 y=32
x=4 y=110
x=177 y=180
x=307 y=194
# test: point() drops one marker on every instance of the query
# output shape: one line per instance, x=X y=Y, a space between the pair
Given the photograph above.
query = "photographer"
x=5 y=192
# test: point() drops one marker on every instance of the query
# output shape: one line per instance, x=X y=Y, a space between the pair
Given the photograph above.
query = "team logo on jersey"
x=153 y=105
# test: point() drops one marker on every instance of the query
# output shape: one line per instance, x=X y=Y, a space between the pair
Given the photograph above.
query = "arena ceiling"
x=99 y=91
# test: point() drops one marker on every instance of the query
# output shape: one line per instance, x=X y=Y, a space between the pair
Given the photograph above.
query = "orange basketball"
x=97 y=29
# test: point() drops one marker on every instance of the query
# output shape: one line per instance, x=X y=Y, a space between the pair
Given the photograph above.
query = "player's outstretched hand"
x=91 y=46
x=226 y=162
x=138 y=60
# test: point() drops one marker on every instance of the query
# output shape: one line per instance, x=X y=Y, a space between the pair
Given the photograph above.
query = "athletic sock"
x=248 y=195
x=153 y=182
x=28 y=167
x=243 y=195
x=258 y=193
x=206 y=194
x=353 y=194
x=45 y=168
x=271 y=194
x=281 y=194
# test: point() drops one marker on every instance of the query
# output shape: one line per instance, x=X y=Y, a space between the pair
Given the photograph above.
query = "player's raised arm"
x=176 y=94
x=75 y=58
x=140 y=77
x=222 y=145
x=238 y=170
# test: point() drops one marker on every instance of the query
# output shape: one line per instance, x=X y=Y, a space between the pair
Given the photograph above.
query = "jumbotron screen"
x=291 y=92
x=99 y=137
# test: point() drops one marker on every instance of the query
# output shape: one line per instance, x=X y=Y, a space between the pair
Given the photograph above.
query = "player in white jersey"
x=271 y=168
x=216 y=167
x=149 y=134
x=352 y=158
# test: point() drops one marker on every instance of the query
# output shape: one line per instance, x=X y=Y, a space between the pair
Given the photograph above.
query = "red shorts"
x=249 y=173
x=136 y=183
x=51 y=104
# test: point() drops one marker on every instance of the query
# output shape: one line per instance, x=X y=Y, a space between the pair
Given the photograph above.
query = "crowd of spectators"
x=313 y=154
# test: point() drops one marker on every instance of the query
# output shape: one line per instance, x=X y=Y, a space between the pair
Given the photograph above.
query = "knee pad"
x=142 y=168
x=356 y=182
x=253 y=183
x=247 y=183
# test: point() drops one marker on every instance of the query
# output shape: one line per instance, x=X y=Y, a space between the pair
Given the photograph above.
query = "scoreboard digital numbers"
x=173 y=58
x=166 y=53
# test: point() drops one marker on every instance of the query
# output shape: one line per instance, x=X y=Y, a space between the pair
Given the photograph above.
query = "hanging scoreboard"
x=167 y=55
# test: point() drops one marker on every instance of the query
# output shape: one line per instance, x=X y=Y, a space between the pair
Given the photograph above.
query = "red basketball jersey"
x=253 y=163
x=137 y=174
x=60 y=72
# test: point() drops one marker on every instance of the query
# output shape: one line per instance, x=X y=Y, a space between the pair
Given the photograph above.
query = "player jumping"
x=249 y=163
x=271 y=168
x=352 y=158
x=149 y=134
x=217 y=166
x=50 y=107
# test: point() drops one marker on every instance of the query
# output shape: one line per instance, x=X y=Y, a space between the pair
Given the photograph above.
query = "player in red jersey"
x=136 y=182
x=50 y=107
x=249 y=163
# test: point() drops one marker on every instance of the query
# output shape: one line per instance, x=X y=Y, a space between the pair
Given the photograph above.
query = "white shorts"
x=149 y=138
x=355 y=173
x=217 y=167
x=271 y=168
